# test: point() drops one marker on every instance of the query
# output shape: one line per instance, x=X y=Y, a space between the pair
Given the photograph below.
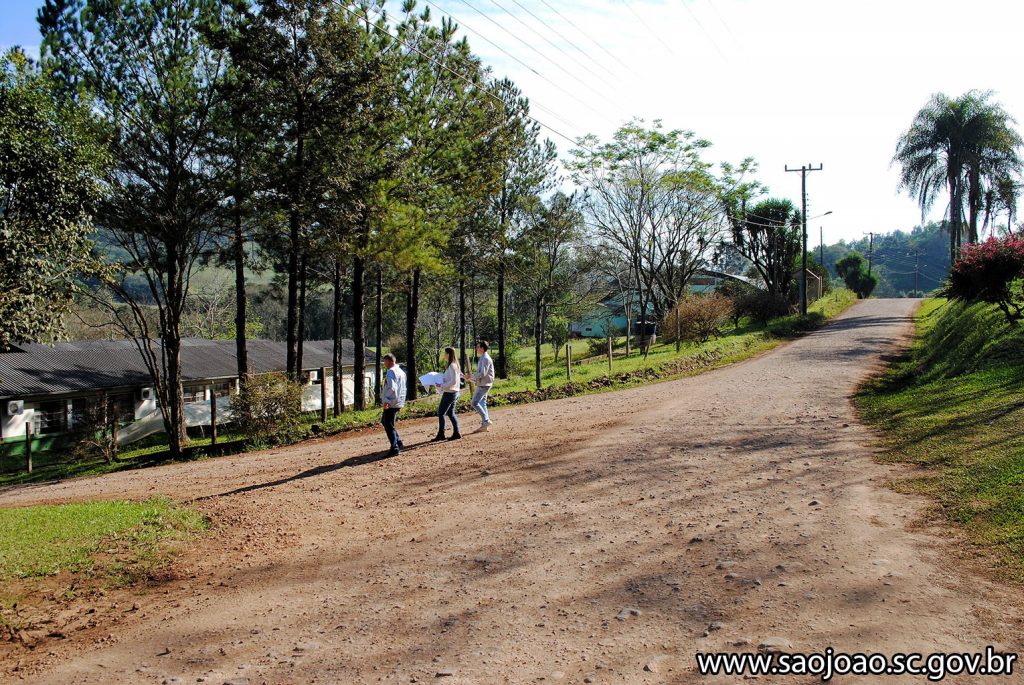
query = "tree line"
x=372 y=164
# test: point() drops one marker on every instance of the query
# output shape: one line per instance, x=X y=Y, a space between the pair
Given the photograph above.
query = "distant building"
x=49 y=388
x=610 y=313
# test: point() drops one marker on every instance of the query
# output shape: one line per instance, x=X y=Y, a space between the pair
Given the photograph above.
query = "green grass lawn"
x=589 y=375
x=45 y=540
x=954 y=407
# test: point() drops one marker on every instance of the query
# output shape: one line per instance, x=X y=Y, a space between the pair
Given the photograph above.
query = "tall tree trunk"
x=411 y=315
x=359 y=331
x=336 y=362
x=974 y=199
x=462 y=317
x=679 y=328
x=292 y=321
x=294 y=246
x=379 y=335
x=956 y=206
x=170 y=340
x=472 y=313
x=502 y=365
x=241 y=348
x=538 y=306
x=300 y=338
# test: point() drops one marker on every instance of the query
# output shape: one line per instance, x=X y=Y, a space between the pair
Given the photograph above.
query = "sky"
x=788 y=82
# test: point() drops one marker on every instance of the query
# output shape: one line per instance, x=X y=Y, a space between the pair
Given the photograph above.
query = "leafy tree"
x=156 y=83
x=853 y=270
x=558 y=332
x=690 y=231
x=528 y=173
x=51 y=164
x=958 y=144
x=642 y=199
x=549 y=263
x=768 y=235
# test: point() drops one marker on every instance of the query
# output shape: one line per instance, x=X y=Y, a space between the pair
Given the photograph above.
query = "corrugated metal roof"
x=33 y=369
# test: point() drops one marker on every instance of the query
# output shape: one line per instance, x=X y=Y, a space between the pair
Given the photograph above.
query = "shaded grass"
x=46 y=540
x=591 y=375
x=954 y=406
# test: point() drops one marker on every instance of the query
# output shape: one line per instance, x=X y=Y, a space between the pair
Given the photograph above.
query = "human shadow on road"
x=359 y=460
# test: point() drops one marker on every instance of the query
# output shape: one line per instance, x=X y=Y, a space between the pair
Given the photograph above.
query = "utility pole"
x=871 y=246
x=821 y=246
x=803 y=217
x=917 y=273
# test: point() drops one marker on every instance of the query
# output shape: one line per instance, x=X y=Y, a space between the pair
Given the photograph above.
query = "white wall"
x=13 y=427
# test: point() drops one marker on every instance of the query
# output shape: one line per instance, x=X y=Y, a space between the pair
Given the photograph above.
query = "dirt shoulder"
x=582 y=538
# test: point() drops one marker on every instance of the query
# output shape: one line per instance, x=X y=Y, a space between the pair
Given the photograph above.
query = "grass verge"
x=663 y=362
x=117 y=539
x=953 y=405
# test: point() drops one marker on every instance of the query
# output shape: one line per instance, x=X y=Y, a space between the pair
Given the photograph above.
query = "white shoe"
x=486 y=426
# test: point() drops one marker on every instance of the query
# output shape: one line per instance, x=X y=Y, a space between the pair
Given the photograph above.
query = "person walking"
x=483 y=379
x=450 y=387
x=392 y=397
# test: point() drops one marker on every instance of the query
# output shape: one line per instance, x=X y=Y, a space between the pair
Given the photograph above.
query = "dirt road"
x=580 y=541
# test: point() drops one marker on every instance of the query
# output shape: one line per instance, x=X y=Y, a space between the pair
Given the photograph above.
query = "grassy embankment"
x=49 y=554
x=589 y=375
x=953 y=405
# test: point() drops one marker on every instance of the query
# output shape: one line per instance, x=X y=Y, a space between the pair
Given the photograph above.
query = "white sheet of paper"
x=432 y=378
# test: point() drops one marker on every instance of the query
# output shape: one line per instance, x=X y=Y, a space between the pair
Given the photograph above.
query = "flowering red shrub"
x=986 y=272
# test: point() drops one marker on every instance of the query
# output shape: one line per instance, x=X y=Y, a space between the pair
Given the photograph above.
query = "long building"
x=45 y=389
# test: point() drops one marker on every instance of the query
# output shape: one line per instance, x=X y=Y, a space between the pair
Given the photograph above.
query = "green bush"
x=268 y=409
x=760 y=305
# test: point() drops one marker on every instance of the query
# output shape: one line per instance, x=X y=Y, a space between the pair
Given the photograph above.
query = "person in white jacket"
x=483 y=379
x=450 y=387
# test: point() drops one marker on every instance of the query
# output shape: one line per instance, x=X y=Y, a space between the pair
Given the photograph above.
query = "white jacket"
x=484 y=376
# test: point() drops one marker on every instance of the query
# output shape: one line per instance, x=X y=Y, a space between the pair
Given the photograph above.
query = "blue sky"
x=785 y=81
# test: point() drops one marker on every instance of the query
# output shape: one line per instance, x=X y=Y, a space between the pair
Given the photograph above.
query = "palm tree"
x=959 y=145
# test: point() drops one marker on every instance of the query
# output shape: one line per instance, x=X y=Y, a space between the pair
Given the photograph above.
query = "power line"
x=648 y=27
x=721 y=20
x=516 y=59
x=461 y=77
x=703 y=30
x=584 y=34
x=556 y=46
x=542 y=55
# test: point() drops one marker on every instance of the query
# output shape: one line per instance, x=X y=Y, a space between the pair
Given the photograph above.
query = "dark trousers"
x=446 y=407
x=388 y=419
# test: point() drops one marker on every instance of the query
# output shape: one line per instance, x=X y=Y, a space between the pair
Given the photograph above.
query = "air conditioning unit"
x=15 y=407
x=146 y=394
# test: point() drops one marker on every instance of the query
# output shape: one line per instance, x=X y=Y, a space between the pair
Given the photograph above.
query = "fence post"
x=568 y=361
x=213 y=417
x=28 y=446
x=323 y=394
x=609 y=352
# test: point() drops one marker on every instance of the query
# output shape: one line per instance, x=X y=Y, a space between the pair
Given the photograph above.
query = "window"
x=51 y=418
x=223 y=389
x=194 y=394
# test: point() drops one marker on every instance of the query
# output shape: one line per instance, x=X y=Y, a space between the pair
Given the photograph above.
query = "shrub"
x=852 y=270
x=558 y=332
x=268 y=408
x=697 y=318
x=986 y=272
x=760 y=305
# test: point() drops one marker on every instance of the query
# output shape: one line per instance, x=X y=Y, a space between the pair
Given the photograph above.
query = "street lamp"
x=803 y=264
